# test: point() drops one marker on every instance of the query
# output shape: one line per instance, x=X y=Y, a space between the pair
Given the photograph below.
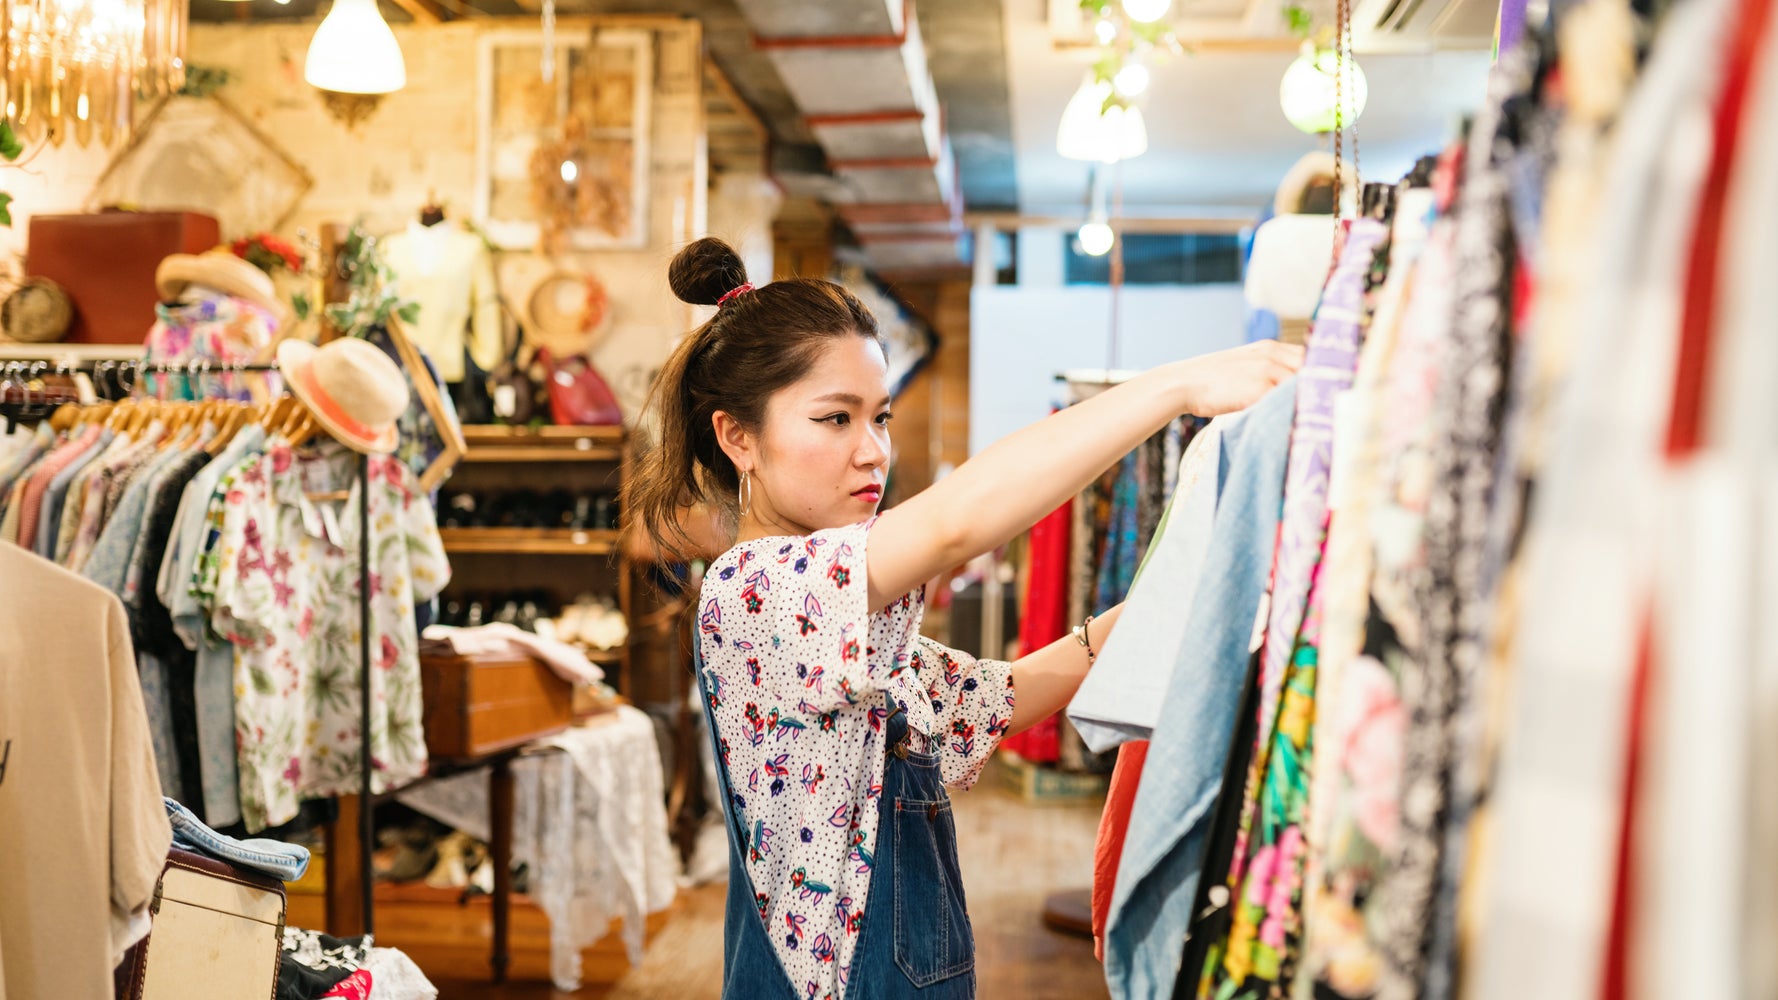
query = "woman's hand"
x=1235 y=379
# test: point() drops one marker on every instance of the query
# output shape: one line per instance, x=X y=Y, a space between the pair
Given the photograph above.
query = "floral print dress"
x=795 y=666
x=281 y=582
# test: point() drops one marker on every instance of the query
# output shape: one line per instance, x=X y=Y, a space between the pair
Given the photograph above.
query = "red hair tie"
x=731 y=293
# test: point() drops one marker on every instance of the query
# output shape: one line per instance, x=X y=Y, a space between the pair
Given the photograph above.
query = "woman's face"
x=822 y=453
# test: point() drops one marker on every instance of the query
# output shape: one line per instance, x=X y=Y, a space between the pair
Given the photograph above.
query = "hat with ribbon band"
x=356 y=392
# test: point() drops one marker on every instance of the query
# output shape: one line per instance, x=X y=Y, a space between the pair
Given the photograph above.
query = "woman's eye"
x=837 y=419
x=884 y=418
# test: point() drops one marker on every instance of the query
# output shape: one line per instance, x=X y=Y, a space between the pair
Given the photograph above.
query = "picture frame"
x=201 y=154
x=596 y=112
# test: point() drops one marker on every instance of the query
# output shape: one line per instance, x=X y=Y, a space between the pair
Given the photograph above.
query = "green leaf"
x=1299 y=20
x=10 y=146
x=5 y=209
x=409 y=313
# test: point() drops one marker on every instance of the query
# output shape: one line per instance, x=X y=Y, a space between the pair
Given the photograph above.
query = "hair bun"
x=705 y=271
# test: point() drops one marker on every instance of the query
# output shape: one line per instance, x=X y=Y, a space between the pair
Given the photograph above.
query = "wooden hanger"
x=65 y=417
x=454 y=445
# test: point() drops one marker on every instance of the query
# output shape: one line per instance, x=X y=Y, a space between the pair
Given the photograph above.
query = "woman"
x=837 y=725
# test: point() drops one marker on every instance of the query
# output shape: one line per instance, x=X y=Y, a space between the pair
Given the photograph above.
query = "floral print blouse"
x=795 y=669
x=220 y=329
x=282 y=580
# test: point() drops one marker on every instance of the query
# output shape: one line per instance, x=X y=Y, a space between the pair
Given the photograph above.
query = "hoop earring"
x=744 y=494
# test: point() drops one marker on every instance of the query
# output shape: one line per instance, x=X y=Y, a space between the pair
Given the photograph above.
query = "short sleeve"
x=972 y=703
x=140 y=834
x=795 y=611
x=428 y=564
x=233 y=574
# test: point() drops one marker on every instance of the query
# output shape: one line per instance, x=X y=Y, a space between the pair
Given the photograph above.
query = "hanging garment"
x=213 y=688
x=1348 y=718
x=1163 y=852
x=273 y=582
x=1266 y=881
x=80 y=804
x=1120 y=699
x=1044 y=618
x=1114 y=829
x=1596 y=504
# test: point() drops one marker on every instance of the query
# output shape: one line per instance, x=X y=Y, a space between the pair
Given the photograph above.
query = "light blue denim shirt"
x=274 y=857
x=1157 y=877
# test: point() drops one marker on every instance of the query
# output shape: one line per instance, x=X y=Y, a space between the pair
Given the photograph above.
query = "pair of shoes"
x=459 y=855
x=521 y=608
x=593 y=623
x=528 y=508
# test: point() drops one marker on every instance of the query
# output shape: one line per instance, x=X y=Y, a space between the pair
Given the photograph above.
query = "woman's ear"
x=735 y=441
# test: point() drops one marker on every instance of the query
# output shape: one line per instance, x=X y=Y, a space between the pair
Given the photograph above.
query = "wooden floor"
x=1013 y=854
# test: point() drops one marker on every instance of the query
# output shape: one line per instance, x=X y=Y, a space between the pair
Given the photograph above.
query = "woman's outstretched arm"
x=1004 y=490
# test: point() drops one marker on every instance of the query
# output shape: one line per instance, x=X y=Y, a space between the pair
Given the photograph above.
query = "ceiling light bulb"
x=1096 y=239
x=1146 y=11
x=1105 y=31
x=354 y=52
x=1308 y=92
x=1131 y=80
x=570 y=172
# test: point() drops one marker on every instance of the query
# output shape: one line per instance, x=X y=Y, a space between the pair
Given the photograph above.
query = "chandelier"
x=78 y=66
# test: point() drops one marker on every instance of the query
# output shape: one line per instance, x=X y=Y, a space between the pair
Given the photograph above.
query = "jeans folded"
x=274 y=857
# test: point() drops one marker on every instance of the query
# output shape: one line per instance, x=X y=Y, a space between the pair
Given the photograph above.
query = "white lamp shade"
x=1147 y=11
x=1308 y=91
x=1090 y=131
x=354 y=52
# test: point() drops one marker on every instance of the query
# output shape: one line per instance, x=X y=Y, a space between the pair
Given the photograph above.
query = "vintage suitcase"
x=218 y=929
x=476 y=705
x=106 y=262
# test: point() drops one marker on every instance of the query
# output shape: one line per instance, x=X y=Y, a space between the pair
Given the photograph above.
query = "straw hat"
x=354 y=390
x=223 y=271
x=567 y=313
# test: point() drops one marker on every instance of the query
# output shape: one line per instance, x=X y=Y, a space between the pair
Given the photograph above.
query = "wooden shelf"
x=529 y=541
x=493 y=443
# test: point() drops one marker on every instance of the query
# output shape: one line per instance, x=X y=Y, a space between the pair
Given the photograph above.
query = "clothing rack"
x=34 y=369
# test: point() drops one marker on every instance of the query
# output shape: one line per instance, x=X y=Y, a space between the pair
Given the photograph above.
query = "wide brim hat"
x=356 y=392
x=567 y=313
x=223 y=271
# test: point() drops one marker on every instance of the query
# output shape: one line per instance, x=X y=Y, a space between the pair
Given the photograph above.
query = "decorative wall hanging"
x=562 y=158
x=201 y=154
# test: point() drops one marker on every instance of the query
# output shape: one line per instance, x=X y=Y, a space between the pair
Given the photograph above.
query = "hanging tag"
x=506 y=401
x=330 y=522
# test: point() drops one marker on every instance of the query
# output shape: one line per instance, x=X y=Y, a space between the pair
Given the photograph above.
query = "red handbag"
x=578 y=395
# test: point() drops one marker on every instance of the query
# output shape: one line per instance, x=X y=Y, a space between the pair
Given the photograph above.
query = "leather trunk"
x=106 y=261
x=218 y=930
x=477 y=705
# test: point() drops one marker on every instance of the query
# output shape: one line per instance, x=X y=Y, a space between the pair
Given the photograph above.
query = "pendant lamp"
x=354 y=59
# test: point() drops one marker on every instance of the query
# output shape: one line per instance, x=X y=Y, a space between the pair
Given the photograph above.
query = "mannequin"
x=450 y=272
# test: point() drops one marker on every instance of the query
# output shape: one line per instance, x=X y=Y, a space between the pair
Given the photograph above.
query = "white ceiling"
x=1218 y=143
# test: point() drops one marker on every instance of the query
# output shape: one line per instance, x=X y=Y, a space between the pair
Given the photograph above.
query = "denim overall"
x=916 y=941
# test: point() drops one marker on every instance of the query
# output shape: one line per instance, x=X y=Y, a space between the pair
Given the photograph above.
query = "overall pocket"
x=933 y=940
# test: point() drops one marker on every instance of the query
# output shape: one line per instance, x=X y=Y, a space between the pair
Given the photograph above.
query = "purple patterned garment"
x=1327 y=371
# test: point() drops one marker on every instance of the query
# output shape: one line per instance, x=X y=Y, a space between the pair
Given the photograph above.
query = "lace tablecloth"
x=590 y=819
